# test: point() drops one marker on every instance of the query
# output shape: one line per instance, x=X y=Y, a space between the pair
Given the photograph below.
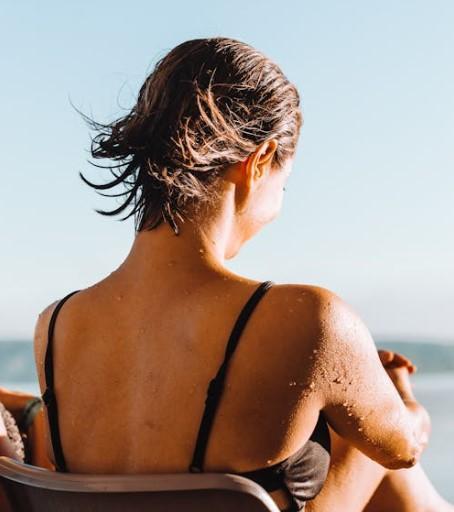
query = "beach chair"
x=32 y=489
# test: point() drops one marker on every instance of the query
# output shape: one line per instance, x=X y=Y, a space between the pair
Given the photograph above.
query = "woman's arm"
x=37 y=442
x=363 y=402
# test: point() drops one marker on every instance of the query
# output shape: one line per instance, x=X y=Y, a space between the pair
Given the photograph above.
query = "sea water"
x=435 y=391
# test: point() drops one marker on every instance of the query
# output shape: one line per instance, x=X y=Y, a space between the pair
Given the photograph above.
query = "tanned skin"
x=134 y=353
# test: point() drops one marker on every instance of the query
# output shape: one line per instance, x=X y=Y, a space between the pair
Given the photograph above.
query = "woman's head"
x=207 y=106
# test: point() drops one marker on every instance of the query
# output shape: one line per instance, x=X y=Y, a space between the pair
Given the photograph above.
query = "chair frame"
x=33 y=476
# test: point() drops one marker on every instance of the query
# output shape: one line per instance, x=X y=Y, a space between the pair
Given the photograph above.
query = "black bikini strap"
x=48 y=396
x=216 y=385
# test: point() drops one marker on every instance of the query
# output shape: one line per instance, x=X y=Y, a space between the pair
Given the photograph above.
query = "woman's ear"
x=254 y=167
x=265 y=153
x=260 y=159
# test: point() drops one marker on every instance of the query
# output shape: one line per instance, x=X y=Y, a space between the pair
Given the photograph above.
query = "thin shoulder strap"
x=48 y=396
x=216 y=385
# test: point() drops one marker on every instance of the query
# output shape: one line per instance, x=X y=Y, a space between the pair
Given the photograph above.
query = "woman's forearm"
x=37 y=442
x=421 y=420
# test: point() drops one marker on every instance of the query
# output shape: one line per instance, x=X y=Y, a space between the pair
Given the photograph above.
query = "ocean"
x=435 y=391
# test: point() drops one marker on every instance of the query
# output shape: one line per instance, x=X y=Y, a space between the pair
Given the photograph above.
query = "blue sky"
x=368 y=211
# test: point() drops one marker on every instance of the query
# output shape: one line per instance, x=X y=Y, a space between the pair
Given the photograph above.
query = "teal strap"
x=32 y=407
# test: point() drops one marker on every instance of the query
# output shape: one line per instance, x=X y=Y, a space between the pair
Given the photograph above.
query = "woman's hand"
x=399 y=368
x=392 y=359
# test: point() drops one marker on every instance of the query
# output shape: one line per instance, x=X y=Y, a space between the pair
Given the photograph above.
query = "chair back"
x=28 y=488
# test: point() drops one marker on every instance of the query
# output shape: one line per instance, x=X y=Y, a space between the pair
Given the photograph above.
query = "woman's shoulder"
x=42 y=324
x=306 y=302
x=315 y=317
x=76 y=297
x=306 y=294
x=44 y=316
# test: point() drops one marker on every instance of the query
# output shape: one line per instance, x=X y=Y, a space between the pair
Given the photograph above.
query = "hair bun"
x=207 y=104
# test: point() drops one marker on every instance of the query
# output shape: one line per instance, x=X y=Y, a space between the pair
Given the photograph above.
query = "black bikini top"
x=302 y=474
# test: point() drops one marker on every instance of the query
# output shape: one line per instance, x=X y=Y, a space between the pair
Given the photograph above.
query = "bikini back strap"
x=216 y=385
x=48 y=396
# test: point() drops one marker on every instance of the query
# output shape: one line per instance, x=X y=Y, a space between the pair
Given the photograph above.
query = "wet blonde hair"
x=207 y=104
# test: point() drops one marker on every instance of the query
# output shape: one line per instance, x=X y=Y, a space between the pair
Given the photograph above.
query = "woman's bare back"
x=133 y=361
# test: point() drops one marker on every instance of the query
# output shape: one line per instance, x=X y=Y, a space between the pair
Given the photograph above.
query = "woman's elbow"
x=400 y=462
x=408 y=447
x=405 y=458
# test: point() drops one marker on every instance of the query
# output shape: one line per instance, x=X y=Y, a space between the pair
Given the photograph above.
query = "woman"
x=302 y=402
